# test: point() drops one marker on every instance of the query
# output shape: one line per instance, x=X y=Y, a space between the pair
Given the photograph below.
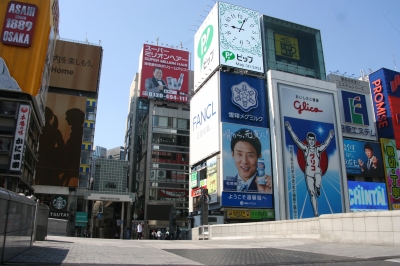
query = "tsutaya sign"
x=111 y=197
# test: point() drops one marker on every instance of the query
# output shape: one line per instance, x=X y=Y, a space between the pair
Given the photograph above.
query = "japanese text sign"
x=392 y=172
x=19 y=137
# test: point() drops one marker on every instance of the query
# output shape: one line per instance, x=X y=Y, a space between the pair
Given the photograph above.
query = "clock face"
x=240 y=30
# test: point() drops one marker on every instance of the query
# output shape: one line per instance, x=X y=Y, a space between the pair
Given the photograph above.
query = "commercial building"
x=157 y=138
x=117 y=153
x=25 y=62
x=66 y=144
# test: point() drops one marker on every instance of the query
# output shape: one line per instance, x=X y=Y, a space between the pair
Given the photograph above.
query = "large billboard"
x=61 y=140
x=240 y=38
x=367 y=196
x=205 y=117
x=363 y=158
x=357 y=117
x=27 y=28
x=243 y=100
x=392 y=172
x=384 y=83
x=206 y=48
x=76 y=66
x=212 y=179
x=164 y=73
x=246 y=166
x=312 y=164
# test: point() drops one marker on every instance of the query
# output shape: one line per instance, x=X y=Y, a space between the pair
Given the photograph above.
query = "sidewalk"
x=58 y=250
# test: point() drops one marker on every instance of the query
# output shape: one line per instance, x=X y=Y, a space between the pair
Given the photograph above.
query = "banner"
x=392 y=172
x=367 y=196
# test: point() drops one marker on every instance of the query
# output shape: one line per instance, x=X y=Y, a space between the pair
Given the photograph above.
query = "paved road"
x=71 y=251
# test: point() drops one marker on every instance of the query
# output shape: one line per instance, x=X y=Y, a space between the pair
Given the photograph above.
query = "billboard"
x=206 y=48
x=240 y=38
x=164 y=74
x=286 y=46
x=312 y=164
x=367 y=196
x=243 y=100
x=20 y=137
x=395 y=110
x=392 y=172
x=26 y=30
x=205 y=117
x=61 y=140
x=246 y=166
x=76 y=66
x=355 y=108
x=383 y=85
x=212 y=179
x=363 y=158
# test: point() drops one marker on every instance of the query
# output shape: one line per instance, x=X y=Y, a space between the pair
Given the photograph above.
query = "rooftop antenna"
x=157 y=41
x=394 y=61
x=86 y=38
x=181 y=46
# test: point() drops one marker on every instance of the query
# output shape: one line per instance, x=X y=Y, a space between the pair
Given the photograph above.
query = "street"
x=70 y=251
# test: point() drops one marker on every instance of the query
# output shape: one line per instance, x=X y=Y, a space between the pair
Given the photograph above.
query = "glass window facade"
x=293 y=48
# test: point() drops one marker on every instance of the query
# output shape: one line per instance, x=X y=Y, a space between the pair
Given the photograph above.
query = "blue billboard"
x=243 y=100
x=363 y=158
x=367 y=196
x=247 y=200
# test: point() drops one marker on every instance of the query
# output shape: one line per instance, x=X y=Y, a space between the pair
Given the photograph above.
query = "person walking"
x=178 y=233
x=139 y=231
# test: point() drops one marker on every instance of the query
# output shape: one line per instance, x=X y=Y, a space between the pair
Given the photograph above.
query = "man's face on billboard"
x=311 y=141
x=157 y=73
x=369 y=153
x=245 y=157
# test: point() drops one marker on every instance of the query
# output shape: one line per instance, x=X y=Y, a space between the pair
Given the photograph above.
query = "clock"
x=239 y=29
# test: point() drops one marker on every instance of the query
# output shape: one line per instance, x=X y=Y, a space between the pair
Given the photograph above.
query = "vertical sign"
x=240 y=37
x=19 y=24
x=206 y=48
x=212 y=179
x=392 y=172
x=19 y=137
x=310 y=152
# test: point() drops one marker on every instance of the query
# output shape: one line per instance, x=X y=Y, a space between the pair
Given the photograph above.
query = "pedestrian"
x=167 y=235
x=159 y=234
x=139 y=231
x=154 y=235
x=178 y=233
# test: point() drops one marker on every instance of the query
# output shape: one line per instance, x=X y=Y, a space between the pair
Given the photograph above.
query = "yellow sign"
x=286 y=46
x=238 y=214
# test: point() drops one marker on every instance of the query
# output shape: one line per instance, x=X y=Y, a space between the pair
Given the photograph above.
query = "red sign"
x=171 y=193
x=379 y=101
x=196 y=192
x=19 y=24
x=165 y=74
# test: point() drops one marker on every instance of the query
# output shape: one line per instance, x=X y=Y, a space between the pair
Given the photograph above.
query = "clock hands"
x=243 y=24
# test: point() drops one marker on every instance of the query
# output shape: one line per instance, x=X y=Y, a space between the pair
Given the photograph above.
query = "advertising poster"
x=246 y=163
x=240 y=37
x=206 y=48
x=243 y=100
x=392 y=172
x=25 y=43
x=76 y=66
x=204 y=124
x=212 y=179
x=286 y=46
x=357 y=118
x=61 y=140
x=164 y=74
x=363 y=158
x=367 y=196
x=310 y=152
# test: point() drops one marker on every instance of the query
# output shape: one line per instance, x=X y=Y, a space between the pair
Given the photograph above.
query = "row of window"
x=172 y=122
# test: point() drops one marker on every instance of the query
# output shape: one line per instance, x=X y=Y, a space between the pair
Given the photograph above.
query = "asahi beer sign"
x=19 y=24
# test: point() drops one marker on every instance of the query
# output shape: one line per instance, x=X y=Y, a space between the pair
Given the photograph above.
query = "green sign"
x=81 y=217
x=193 y=179
x=259 y=214
x=392 y=170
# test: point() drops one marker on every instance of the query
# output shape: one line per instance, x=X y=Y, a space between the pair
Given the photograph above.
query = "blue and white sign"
x=363 y=158
x=204 y=124
x=243 y=100
x=367 y=196
x=249 y=200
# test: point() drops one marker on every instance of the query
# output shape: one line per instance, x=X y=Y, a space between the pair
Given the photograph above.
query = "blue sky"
x=356 y=35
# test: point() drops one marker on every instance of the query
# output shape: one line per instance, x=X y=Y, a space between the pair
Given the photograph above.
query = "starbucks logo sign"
x=59 y=202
